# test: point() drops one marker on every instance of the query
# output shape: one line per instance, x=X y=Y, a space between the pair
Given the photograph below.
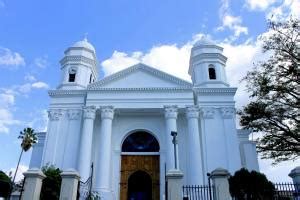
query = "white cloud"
x=168 y=58
x=41 y=62
x=39 y=121
x=19 y=176
x=231 y=22
x=10 y=59
x=6 y=120
x=40 y=85
x=6 y=100
x=259 y=4
x=284 y=10
x=27 y=87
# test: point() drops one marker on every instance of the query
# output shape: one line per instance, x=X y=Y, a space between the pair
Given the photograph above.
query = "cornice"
x=215 y=91
x=66 y=92
x=77 y=60
x=143 y=67
x=148 y=89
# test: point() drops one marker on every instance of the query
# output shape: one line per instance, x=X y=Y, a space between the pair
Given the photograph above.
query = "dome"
x=84 y=44
x=204 y=41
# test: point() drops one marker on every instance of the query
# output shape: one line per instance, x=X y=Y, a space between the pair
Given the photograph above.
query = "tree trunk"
x=17 y=167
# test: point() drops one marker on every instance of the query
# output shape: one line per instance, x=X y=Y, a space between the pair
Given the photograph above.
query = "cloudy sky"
x=160 y=33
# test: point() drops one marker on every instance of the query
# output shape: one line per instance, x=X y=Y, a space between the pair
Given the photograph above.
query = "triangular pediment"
x=140 y=76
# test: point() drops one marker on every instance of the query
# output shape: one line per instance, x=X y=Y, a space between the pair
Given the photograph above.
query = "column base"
x=104 y=193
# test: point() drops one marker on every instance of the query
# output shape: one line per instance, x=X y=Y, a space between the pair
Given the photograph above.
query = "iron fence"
x=198 y=192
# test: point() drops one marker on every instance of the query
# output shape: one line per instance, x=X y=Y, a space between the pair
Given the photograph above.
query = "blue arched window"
x=140 y=141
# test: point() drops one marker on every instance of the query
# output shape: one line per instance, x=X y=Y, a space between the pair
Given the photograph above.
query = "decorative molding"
x=107 y=112
x=74 y=114
x=164 y=89
x=171 y=111
x=227 y=112
x=66 y=92
x=140 y=66
x=55 y=114
x=77 y=60
x=215 y=91
x=207 y=112
x=89 y=112
x=192 y=112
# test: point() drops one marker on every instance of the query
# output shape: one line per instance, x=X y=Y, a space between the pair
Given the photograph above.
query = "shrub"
x=51 y=184
x=5 y=185
x=250 y=185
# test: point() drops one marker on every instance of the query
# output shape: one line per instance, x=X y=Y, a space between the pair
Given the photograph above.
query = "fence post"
x=69 y=185
x=295 y=175
x=220 y=181
x=33 y=184
x=174 y=177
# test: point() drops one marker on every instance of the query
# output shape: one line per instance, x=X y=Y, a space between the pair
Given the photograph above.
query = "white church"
x=122 y=124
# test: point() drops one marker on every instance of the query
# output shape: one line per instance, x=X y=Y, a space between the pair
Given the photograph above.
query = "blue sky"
x=34 y=35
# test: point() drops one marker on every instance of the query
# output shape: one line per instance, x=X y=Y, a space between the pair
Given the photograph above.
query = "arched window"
x=212 y=72
x=72 y=74
x=140 y=141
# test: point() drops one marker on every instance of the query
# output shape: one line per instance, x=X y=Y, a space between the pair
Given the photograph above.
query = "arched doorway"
x=140 y=167
x=139 y=186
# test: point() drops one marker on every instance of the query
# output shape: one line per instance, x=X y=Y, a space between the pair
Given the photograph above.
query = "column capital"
x=207 y=112
x=107 y=112
x=171 y=111
x=227 y=112
x=55 y=114
x=89 y=112
x=192 y=111
x=74 y=114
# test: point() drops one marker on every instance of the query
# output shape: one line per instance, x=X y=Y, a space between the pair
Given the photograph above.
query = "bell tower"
x=207 y=65
x=78 y=66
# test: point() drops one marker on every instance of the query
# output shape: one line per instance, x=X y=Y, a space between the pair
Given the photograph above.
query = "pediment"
x=140 y=76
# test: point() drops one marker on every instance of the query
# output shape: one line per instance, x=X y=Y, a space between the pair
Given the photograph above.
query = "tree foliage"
x=250 y=185
x=28 y=137
x=274 y=90
x=5 y=185
x=51 y=184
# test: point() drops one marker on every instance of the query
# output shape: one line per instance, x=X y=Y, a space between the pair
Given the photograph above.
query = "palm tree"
x=29 y=138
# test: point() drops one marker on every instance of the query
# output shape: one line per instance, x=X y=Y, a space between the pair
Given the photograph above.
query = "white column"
x=103 y=162
x=194 y=146
x=72 y=139
x=52 y=135
x=231 y=138
x=85 y=152
x=171 y=125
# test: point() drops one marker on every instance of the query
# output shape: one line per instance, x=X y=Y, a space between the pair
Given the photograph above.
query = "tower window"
x=72 y=75
x=90 y=78
x=212 y=73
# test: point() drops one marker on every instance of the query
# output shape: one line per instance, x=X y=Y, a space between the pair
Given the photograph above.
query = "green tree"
x=51 y=184
x=5 y=185
x=274 y=90
x=29 y=138
x=250 y=185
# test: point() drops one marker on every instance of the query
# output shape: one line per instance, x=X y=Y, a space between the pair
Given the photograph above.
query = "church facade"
x=122 y=124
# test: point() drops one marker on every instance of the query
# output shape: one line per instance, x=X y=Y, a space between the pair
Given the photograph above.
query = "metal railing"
x=198 y=192
x=287 y=191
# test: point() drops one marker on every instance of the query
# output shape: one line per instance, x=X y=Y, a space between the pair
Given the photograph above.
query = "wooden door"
x=133 y=163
